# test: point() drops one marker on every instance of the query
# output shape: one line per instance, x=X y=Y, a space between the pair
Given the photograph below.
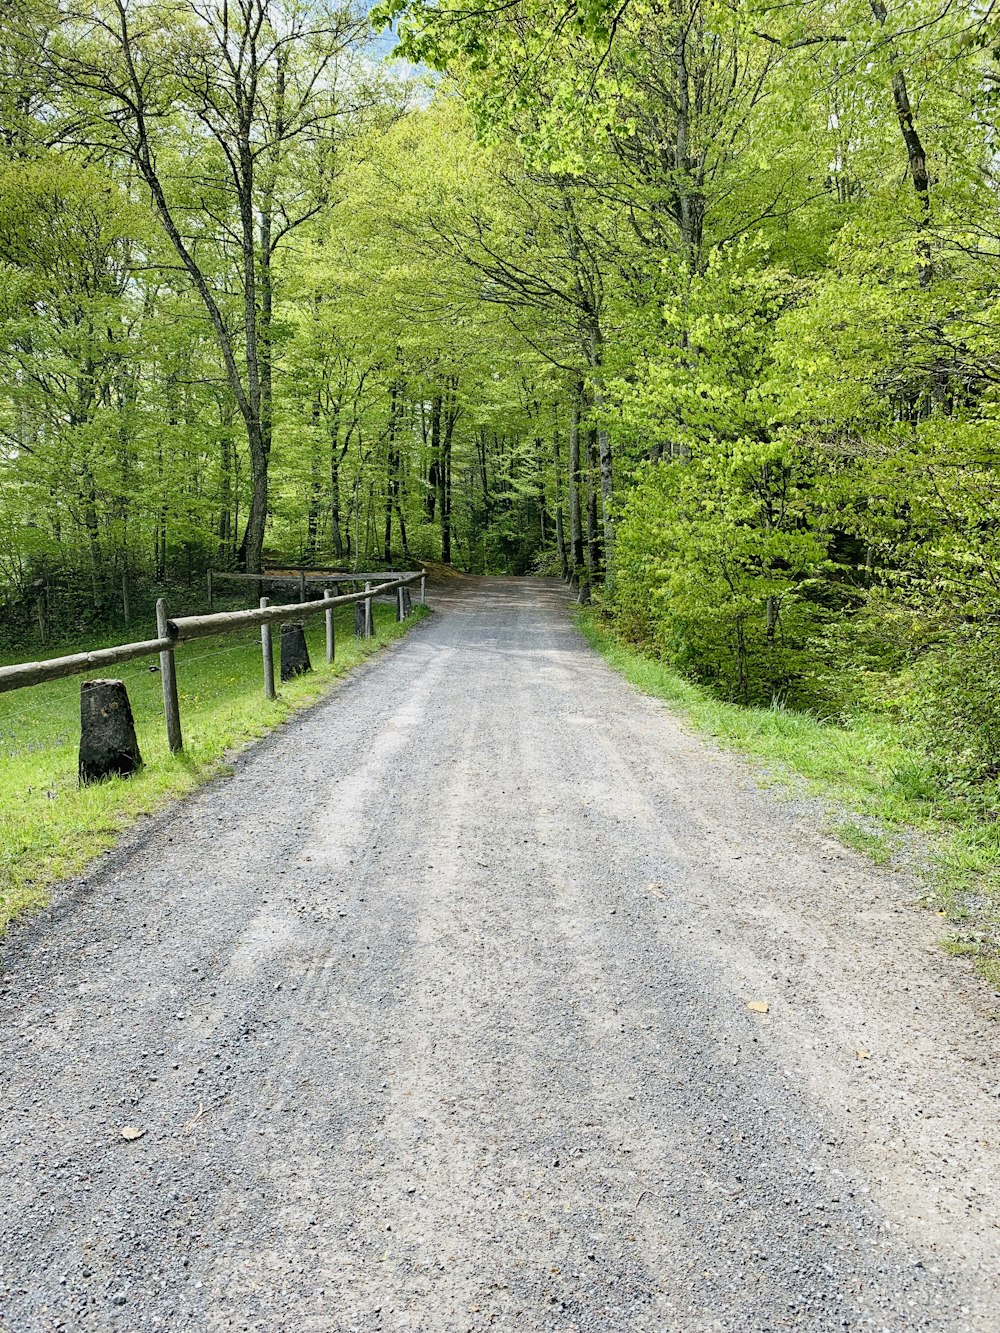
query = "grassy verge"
x=879 y=792
x=51 y=828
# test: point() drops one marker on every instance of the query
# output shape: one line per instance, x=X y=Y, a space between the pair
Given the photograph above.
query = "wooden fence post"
x=265 y=644
x=168 y=676
x=331 y=647
x=369 y=616
x=211 y=593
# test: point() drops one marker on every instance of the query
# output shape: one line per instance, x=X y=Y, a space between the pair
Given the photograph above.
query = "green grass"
x=51 y=827
x=879 y=790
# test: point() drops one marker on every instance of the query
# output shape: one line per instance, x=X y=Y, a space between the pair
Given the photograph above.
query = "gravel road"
x=434 y=1016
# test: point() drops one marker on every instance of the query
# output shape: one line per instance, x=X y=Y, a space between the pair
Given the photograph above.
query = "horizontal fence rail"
x=302 y=579
x=183 y=629
x=223 y=622
x=313 y=577
x=22 y=674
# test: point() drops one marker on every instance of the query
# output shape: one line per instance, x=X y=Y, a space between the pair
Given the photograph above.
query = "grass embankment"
x=51 y=828
x=879 y=790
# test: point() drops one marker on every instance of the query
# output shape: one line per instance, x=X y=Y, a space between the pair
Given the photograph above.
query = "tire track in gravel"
x=435 y=1017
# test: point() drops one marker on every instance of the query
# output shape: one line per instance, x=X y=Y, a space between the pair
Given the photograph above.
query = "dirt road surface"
x=434 y=1017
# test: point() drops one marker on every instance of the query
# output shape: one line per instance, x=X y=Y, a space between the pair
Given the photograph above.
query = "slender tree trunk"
x=916 y=156
x=446 y=499
x=433 y=476
x=557 y=473
x=594 y=570
x=543 y=517
x=600 y=439
x=392 y=471
x=575 y=480
x=335 y=459
x=224 y=550
x=312 y=517
x=444 y=483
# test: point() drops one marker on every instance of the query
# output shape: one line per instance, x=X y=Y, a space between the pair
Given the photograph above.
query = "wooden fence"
x=302 y=578
x=173 y=632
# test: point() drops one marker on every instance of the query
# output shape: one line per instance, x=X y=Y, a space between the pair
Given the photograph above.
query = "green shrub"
x=717 y=570
x=954 y=701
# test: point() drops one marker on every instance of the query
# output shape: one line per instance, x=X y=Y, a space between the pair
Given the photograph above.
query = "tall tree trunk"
x=433 y=475
x=557 y=472
x=335 y=459
x=575 y=482
x=594 y=563
x=252 y=545
x=392 y=471
x=445 y=499
x=543 y=517
x=600 y=440
x=451 y=411
x=160 y=551
x=312 y=517
x=916 y=156
x=225 y=531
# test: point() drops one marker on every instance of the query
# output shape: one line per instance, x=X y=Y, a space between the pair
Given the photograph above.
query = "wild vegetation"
x=694 y=302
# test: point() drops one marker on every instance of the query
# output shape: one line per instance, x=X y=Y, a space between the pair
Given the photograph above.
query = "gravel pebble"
x=435 y=1017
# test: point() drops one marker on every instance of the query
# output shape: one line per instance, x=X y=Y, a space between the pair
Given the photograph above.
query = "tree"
x=228 y=113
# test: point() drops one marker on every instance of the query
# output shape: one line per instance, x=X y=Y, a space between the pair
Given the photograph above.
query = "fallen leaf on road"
x=758 y=1006
x=864 y=1055
x=131 y=1132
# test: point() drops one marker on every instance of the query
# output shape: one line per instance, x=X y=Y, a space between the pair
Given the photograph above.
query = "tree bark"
x=594 y=564
x=600 y=440
x=557 y=473
x=335 y=460
x=575 y=481
x=916 y=155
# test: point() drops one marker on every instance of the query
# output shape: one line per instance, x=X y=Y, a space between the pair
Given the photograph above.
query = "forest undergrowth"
x=877 y=788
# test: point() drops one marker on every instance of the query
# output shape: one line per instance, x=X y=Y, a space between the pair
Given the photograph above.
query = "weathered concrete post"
x=403 y=603
x=265 y=646
x=168 y=677
x=331 y=647
x=423 y=589
x=294 y=652
x=369 y=614
x=108 y=746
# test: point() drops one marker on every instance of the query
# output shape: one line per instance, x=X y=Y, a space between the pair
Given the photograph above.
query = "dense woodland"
x=693 y=302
